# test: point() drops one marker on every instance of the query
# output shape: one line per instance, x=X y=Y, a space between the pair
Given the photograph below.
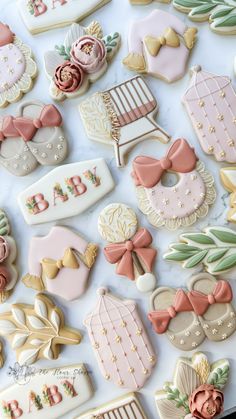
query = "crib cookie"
x=122 y=116
x=178 y=205
x=81 y=60
x=120 y=342
x=228 y=179
x=129 y=247
x=43 y=15
x=196 y=390
x=160 y=44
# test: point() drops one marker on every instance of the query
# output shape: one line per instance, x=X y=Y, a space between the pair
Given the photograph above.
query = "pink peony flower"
x=4 y=278
x=206 y=402
x=89 y=53
x=68 y=77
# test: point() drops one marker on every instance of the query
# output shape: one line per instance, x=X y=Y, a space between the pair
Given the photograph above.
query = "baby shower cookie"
x=37 y=332
x=122 y=116
x=228 y=178
x=147 y=1
x=17 y=68
x=80 y=60
x=1 y=355
x=178 y=205
x=120 y=342
x=43 y=15
x=160 y=45
x=196 y=391
x=129 y=247
x=60 y=263
x=66 y=191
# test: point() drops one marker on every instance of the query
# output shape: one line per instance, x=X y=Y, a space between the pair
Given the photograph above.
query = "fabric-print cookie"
x=66 y=191
x=160 y=45
x=196 y=391
x=60 y=263
x=37 y=332
x=228 y=179
x=17 y=68
x=120 y=342
x=129 y=246
x=122 y=116
x=34 y=136
x=178 y=205
x=80 y=61
x=44 y=15
x=210 y=101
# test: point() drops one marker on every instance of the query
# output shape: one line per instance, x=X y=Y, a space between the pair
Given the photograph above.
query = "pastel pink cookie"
x=14 y=65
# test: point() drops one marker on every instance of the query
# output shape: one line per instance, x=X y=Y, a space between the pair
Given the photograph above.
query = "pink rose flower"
x=89 y=53
x=68 y=77
x=4 y=249
x=4 y=278
x=206 y=402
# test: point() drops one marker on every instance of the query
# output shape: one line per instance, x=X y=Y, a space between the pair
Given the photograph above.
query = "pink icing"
x=89 y=53
x=6 y=35
x=12 y=66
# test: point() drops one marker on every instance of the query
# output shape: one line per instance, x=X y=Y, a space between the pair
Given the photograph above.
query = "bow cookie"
x=169 y=38
x=51 y=267
x=201 y=302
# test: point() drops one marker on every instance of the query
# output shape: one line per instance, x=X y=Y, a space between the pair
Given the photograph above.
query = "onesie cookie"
x=122 y=116
x=228 y=179
x=60 y=263
x=17 y=68
x=196 y=390
x=120 y=342
x=159 y=45
x=81 y=60
x=129 y=246
x=178 y=205
x=37 y=332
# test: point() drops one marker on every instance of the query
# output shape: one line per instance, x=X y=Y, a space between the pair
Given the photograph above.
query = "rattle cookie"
x=122 y=116
x=120 y=342
x=129 y=247
x=196 y=390
x=81 y=60
x=178 y=205
x=228 y=179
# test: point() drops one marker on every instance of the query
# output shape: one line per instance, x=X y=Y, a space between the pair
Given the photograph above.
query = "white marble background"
x=213 y=52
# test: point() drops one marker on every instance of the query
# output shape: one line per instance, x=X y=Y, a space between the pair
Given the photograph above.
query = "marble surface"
x=213 y=52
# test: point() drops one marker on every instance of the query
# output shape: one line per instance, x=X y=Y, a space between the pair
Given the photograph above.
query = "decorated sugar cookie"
x=160 y=44
x=1 y=355
x=81 y=60
x=147 y=1
x=115 y=329
x=196 y=391
x=122 y=116
x=129 y=246
x=60 y=263
x=178 y=205
x=228 y=178
x=17 y=68
x=37 y=332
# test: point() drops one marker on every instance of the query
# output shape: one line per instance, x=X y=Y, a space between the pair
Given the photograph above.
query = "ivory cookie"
x=43 y=15
x=122 y=116
x=196 y=390
x=81 y=60
x=228 y=178
x=37 y=332
x=66 y=191
x=17 y=68
x=178 y=205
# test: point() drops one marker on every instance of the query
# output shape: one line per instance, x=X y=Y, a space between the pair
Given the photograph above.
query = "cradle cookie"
x=66 y=191
x=196 y=390
x=17 y=68
x=43 y=15
x=129 y=249
x=157 y=42
x=228 y=179
x=81 y=60
x=37 y=332
x=178 y=205
x=122 y=116
x=120 y=342
x=60 y=263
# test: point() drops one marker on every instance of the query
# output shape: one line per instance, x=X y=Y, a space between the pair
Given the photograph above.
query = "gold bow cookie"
x=51 y=267
x=169 y=38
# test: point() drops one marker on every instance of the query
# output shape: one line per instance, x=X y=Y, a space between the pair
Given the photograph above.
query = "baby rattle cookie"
x=122 y=116
x=228 y=179
x=178 y=205
x=129 y=247
x=37 y=332
x=81 y=60
x=17 y=68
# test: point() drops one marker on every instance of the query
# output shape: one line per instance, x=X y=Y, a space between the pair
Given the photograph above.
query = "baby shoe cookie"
x=66 y=191
x=160 y=45
x=37 y=332
x=81 y=60
x=178 y=205
x=122 y=116
x=120 y=342
x=60 y=263
x=196 y=390
x=228 y=179
x=17 y=68
x=129 y=247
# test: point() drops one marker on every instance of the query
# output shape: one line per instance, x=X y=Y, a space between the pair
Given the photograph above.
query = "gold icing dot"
x=123 y=324
x=114 y=358
x=212 y=129
x=104 y=331
x=222 y=93
x=96 y=345
x=199 y=125
x=222 y=153
x=220 y=117
x=145 y=371
x=139 y=332
x=211 y=149
x=120 y=383
x=152 y=358
x=107 y=377
x=133 y=348
x=230 y=143
x=201 y=103
x=234 y=120
x=131 y=370
x=118 y=339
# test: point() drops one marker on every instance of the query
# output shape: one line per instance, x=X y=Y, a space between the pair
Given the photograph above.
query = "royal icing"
x=1 y=355
x=147 y=1
x=228 y=178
